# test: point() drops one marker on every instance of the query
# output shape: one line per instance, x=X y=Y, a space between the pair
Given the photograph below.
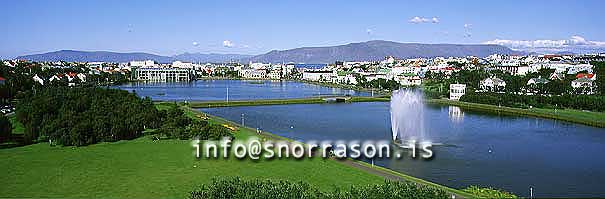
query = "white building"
x=274 y=74
x=162 y=74
x=317 y=75
x=492 y=84
x=180 y=64
x=141 y=64
x=457 y=91
x=252 y=73
x=583 y=85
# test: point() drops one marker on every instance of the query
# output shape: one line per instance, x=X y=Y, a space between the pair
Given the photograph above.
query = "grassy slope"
x=577 y=116
x=143 y=168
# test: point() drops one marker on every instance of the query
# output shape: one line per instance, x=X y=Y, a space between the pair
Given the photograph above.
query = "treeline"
x=376 y=83
x=20 y=78
x=238 y=188
x=83 y=116
x=178 y=126
x=582 y=102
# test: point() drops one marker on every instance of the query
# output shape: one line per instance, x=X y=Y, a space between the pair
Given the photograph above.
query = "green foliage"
x=238 y=188
x=599 y=71
x=480 y=192
x=582 y=102
x=6 y=128
x=177 y=125
x=83 y=116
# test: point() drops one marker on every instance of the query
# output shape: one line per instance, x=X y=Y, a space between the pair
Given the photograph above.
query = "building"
x=146 y=63
x=2 y=80
x=252 y=73
x=513 y=69
x=556 y=76
x=180 y=64
x=37 y=79
x=457 y=91
x=492 y=84
x=162 y=74
x=583 y=85
x=275 y=74
x=536 y=81
x=317 y=75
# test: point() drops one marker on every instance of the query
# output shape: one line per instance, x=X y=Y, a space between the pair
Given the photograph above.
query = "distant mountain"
x=377 y=50
x=364 y=51
x=212 y=57
x=104 y=56
x=86 y=56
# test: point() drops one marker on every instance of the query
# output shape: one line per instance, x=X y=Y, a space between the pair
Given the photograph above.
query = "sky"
x=256 y=27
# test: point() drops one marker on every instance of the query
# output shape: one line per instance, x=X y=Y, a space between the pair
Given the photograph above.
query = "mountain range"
x=105 y=56
x=364 y=51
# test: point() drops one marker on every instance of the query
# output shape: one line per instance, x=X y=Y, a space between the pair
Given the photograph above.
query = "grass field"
x=143 y=168
x=576 y=116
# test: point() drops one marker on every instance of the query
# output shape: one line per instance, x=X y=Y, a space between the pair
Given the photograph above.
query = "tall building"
x=163 y=74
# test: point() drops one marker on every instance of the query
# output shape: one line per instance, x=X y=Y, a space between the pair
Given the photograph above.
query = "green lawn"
x=143 y=168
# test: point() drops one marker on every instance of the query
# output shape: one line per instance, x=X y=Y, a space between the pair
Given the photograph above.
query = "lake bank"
x=264 y=102
x=596 y=119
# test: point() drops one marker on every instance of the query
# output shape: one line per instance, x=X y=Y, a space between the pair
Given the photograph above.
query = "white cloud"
x=546 y=43
x=195 y=43
x=467 y=25
x=417 y=20
x=228 y=44
x=575 y=44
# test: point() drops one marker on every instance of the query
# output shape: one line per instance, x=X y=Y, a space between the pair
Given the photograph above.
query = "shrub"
x=483 y=192
x=238 y=188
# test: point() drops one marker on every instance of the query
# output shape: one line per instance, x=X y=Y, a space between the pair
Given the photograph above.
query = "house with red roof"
x=585 y=75
x=2 y=80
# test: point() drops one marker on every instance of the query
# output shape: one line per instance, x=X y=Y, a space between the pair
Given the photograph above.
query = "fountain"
x=407 y=115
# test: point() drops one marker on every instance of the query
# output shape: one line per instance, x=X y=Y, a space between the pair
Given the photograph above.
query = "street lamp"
x=242 y=119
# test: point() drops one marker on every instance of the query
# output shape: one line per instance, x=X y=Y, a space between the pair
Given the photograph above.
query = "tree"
x=6 y=128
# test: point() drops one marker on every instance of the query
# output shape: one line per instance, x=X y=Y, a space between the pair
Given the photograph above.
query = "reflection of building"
x=455 y=114
x=457 y=91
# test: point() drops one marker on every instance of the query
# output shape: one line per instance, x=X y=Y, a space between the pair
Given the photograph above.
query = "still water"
x=511 y=153
x=235 y=90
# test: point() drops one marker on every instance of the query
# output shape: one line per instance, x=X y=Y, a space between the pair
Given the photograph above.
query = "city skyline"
x=167 y=28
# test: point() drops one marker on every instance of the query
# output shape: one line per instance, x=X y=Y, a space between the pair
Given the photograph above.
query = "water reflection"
x=455 y=114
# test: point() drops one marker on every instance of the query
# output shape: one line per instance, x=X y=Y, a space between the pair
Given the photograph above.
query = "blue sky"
x=254 y=27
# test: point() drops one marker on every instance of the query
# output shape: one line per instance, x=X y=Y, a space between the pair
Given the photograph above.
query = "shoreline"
x=595 y=119
x=364 y=166
x=266 y=102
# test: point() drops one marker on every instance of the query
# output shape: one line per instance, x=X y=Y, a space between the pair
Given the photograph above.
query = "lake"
x=510 y=153
x=210 y=90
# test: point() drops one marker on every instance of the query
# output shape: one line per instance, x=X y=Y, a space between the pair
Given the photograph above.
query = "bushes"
x=177 y=125
x=83 y=116
x=582 y=102
x=488 y=192
x=238 y=188
x=6 y=128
